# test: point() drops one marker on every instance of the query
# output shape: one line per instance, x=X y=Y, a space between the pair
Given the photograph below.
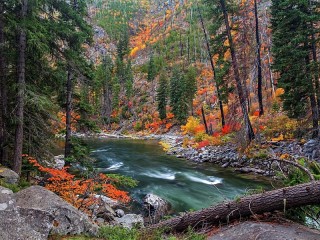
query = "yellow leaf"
x=280 y=138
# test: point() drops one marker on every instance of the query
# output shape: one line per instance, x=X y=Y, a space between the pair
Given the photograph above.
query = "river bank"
x=264 y=159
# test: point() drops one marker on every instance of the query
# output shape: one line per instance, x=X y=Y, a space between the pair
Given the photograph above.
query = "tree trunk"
x=213 y=69
x=67 y=149
x=107 y=103
x=312 y=97
x=315 y=115
x=204 y=120
x=3 y=94
x=280 y=200
x=258 y=59
x=18 y=143
x=242 y=99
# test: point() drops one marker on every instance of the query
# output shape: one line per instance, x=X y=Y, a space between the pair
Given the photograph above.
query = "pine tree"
x=179 y=95
x=21 y=85
x=292 y=25
x=191 y=86
x=151 y=69
x=162 y=95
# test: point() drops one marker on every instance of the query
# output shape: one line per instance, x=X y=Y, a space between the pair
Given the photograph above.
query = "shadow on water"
x=186 y=185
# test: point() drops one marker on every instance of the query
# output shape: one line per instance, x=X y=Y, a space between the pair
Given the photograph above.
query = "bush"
x=193 y=126
x=280 y=125
x=138 y=126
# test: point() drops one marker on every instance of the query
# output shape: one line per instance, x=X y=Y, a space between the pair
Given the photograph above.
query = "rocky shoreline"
x=266 y=162
x=263 y=162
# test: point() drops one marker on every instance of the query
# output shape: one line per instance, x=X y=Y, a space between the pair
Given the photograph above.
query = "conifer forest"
x=159 y=119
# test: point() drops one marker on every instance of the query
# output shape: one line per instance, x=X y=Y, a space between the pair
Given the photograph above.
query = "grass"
x=120 y=233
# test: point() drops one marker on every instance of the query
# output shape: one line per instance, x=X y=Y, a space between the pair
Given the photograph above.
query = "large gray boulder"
x=8 y=175
x=155 y=208
x=23 y=223
x=266 y=231
x=66 y=218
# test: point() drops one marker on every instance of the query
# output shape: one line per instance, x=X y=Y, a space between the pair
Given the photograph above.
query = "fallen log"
x=280 y=199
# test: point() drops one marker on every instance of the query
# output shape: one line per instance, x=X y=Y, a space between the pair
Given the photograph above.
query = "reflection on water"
x=184 y=184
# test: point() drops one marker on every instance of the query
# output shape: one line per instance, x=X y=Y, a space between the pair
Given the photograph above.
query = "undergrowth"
x=121 y=233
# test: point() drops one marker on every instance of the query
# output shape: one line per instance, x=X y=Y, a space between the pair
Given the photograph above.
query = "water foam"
x=161 y=175
x=100 y=150
x=213 y=181
x=115 y=166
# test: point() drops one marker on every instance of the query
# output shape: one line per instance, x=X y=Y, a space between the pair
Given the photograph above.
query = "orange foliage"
x=202 y=91
x=71 y=189
x=203 y=143
x=256 y=113
x=170 y=115
x=279 y=92
x=226 y=129
x=168 y=126
x=199 y=129
x=61 y=124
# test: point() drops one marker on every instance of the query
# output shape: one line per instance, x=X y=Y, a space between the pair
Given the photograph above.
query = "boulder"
x=105 y=212
x=107 y=200
x=67 y=219
x=130 y=221
x=119 y=213
x=6 y=199
x=8 y=175
x=155 y=208
x=58 y=162
x=265 y=231
x=311 y=149
x=24 y=223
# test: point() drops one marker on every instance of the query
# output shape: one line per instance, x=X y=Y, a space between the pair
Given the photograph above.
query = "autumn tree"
x=217 y=80
x=242 y=99
x=260 y=99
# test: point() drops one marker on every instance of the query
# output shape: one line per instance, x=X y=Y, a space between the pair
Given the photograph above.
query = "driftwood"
x=293 y=163
x=280 y=199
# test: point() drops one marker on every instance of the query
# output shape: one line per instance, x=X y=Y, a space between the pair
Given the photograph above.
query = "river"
x=186 y=185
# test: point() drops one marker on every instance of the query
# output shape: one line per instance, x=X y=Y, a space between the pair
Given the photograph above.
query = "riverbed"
x=186 y=185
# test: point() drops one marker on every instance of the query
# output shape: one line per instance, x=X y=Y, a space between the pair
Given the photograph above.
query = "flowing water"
x=184 y=184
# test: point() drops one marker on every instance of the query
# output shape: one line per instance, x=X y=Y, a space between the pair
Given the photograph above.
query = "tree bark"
x=312 y=97
x=67 y=149
x=280 y=199
x=3 y=93
x=261 y=111
x=242 y=99
x=315 y=115
x=316 y=77
x=18 y=143
x=107 y=103
x=213 y=69
x=204 y=120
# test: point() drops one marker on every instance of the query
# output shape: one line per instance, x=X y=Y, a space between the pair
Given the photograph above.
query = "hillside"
x=230 y=88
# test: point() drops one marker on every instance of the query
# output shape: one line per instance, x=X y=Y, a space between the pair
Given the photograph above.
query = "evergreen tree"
x=191 y=86
x=129 y=81
x=179 y=95
x=104 y=80
x=162 y=95
x=292 y=25
x=152 y=71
